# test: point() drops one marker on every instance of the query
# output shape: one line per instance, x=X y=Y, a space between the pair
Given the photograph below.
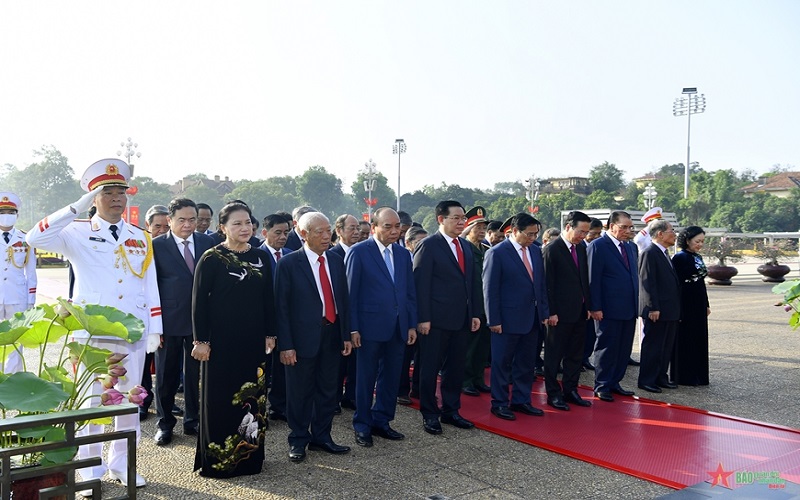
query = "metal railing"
x=69 y=419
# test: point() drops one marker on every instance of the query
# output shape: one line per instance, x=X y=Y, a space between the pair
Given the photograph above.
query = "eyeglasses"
x=204 y=219
x=457 y=218
x=629 y=228
x=532 y=235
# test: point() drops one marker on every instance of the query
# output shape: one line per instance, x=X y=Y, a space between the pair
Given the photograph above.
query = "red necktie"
x=527 y=262
x=327 y=291
x=460 y=254
x=277 y=256
x=187 y=256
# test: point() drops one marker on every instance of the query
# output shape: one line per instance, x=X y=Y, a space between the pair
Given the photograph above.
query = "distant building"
x=578 y=185
x=643 y=181
x=779 y=185
x=221 y=186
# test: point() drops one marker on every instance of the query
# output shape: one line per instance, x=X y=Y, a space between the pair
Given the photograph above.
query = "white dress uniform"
x=642 y=238
x=108 y=272
x=18 y=273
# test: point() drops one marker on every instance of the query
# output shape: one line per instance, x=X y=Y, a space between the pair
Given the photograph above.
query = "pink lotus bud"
x=117 y=370
x=115 y=358
x=108 y=381
x=137 y=395
x=111 y=397
x=787 y=307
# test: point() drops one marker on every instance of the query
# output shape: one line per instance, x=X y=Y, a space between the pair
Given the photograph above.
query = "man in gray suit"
x=660 y=308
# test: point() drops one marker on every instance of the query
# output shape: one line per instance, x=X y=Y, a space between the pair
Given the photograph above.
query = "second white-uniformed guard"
x=642 y=238
x=113 y=263
x=17 y=274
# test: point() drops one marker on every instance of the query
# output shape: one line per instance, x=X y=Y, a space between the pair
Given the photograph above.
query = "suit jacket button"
x=120 y=296
x=119 y=280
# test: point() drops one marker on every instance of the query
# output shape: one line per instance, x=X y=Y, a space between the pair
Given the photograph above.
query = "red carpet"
x=675 y=446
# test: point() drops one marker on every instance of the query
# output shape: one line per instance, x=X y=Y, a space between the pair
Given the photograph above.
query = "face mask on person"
x=8 y=220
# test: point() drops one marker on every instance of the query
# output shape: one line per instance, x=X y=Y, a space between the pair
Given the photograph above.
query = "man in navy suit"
x=446 y=315
x=383 y=318
x=346 y=228
x=275 y=232
x=294 y=241
x=567 y=271
x=660 y=305
x=175 y=254
x=614 y=287
x=515 y=298
x=311 y=300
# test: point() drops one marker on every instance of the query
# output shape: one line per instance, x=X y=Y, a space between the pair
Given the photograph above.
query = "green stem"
x=46 y=340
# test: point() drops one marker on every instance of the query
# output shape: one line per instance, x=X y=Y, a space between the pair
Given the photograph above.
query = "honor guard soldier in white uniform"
x=642 y=238
x=18 y=270
x=113 y=262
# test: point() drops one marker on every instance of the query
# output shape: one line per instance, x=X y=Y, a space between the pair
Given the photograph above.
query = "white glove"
x=86 y=201
x=153 y=342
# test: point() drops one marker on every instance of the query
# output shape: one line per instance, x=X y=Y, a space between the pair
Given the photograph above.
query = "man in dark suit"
x=294 y=241
x=175 y=254
x=515 y=298
x=383 y=318
x=614 y=287
x=567 y=270
x=660 y=305
x=595 y=231
x=311 y=299
x=275 y=232
x=447 y=314
x=346 y=229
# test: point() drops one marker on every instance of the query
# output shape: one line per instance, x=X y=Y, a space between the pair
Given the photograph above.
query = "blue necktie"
x=387 y=257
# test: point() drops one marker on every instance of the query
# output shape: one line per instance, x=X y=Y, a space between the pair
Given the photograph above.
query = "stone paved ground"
x=755 y=374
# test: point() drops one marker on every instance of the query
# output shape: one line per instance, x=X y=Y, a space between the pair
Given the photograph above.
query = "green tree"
x=507 y=206
x=421 y=214
x=551 y=205
x=204 y=194
x=413 y=202
x=322 y=190
x=607 y=177
x=149 y=193
x=266 y=196
x=599 y=199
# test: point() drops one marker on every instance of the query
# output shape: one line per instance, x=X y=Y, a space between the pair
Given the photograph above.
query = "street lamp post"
x=398 y=149
x=690 y=105
x=369 y=185
x=130 y=151
x=650 y=196
x=533 y=187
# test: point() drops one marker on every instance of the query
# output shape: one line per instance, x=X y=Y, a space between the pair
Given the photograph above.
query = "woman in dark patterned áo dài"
x=233 y=311
x=690 y=358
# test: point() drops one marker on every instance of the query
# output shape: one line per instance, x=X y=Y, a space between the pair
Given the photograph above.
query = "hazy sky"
x=481 y=91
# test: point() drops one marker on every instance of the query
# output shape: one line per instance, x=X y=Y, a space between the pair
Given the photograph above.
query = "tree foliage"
x=607 y=177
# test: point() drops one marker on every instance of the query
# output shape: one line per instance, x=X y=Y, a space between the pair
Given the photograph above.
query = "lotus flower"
x=787 y=308
x=115 y=358
x=108 y=381
x=137 y=395
x=117 y=370
x=111 y=397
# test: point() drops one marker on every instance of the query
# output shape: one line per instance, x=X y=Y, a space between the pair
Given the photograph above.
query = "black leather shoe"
x=180 y=389
x=575 y=398
x=458 y=421
x=558 y=403
x=527 y=409
x=483 y=388
x=622 y=392
x=177 y=411
x=337 y=410
x=470 y=391
x=329 y=447
x=143 y=414
x=539 y=372
x=190 y=431
x=346 y=403
x=668 y=385
x=297 y=453
x=650 y=388
x=503 y=412
x=403 y=400
x=588 y=365
x=604 y=396
x=432 y=426
x=163 y=437
x=363 y=439
x=388 y=433
x=413 y=394
x=276 y=415
x=633 y=362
